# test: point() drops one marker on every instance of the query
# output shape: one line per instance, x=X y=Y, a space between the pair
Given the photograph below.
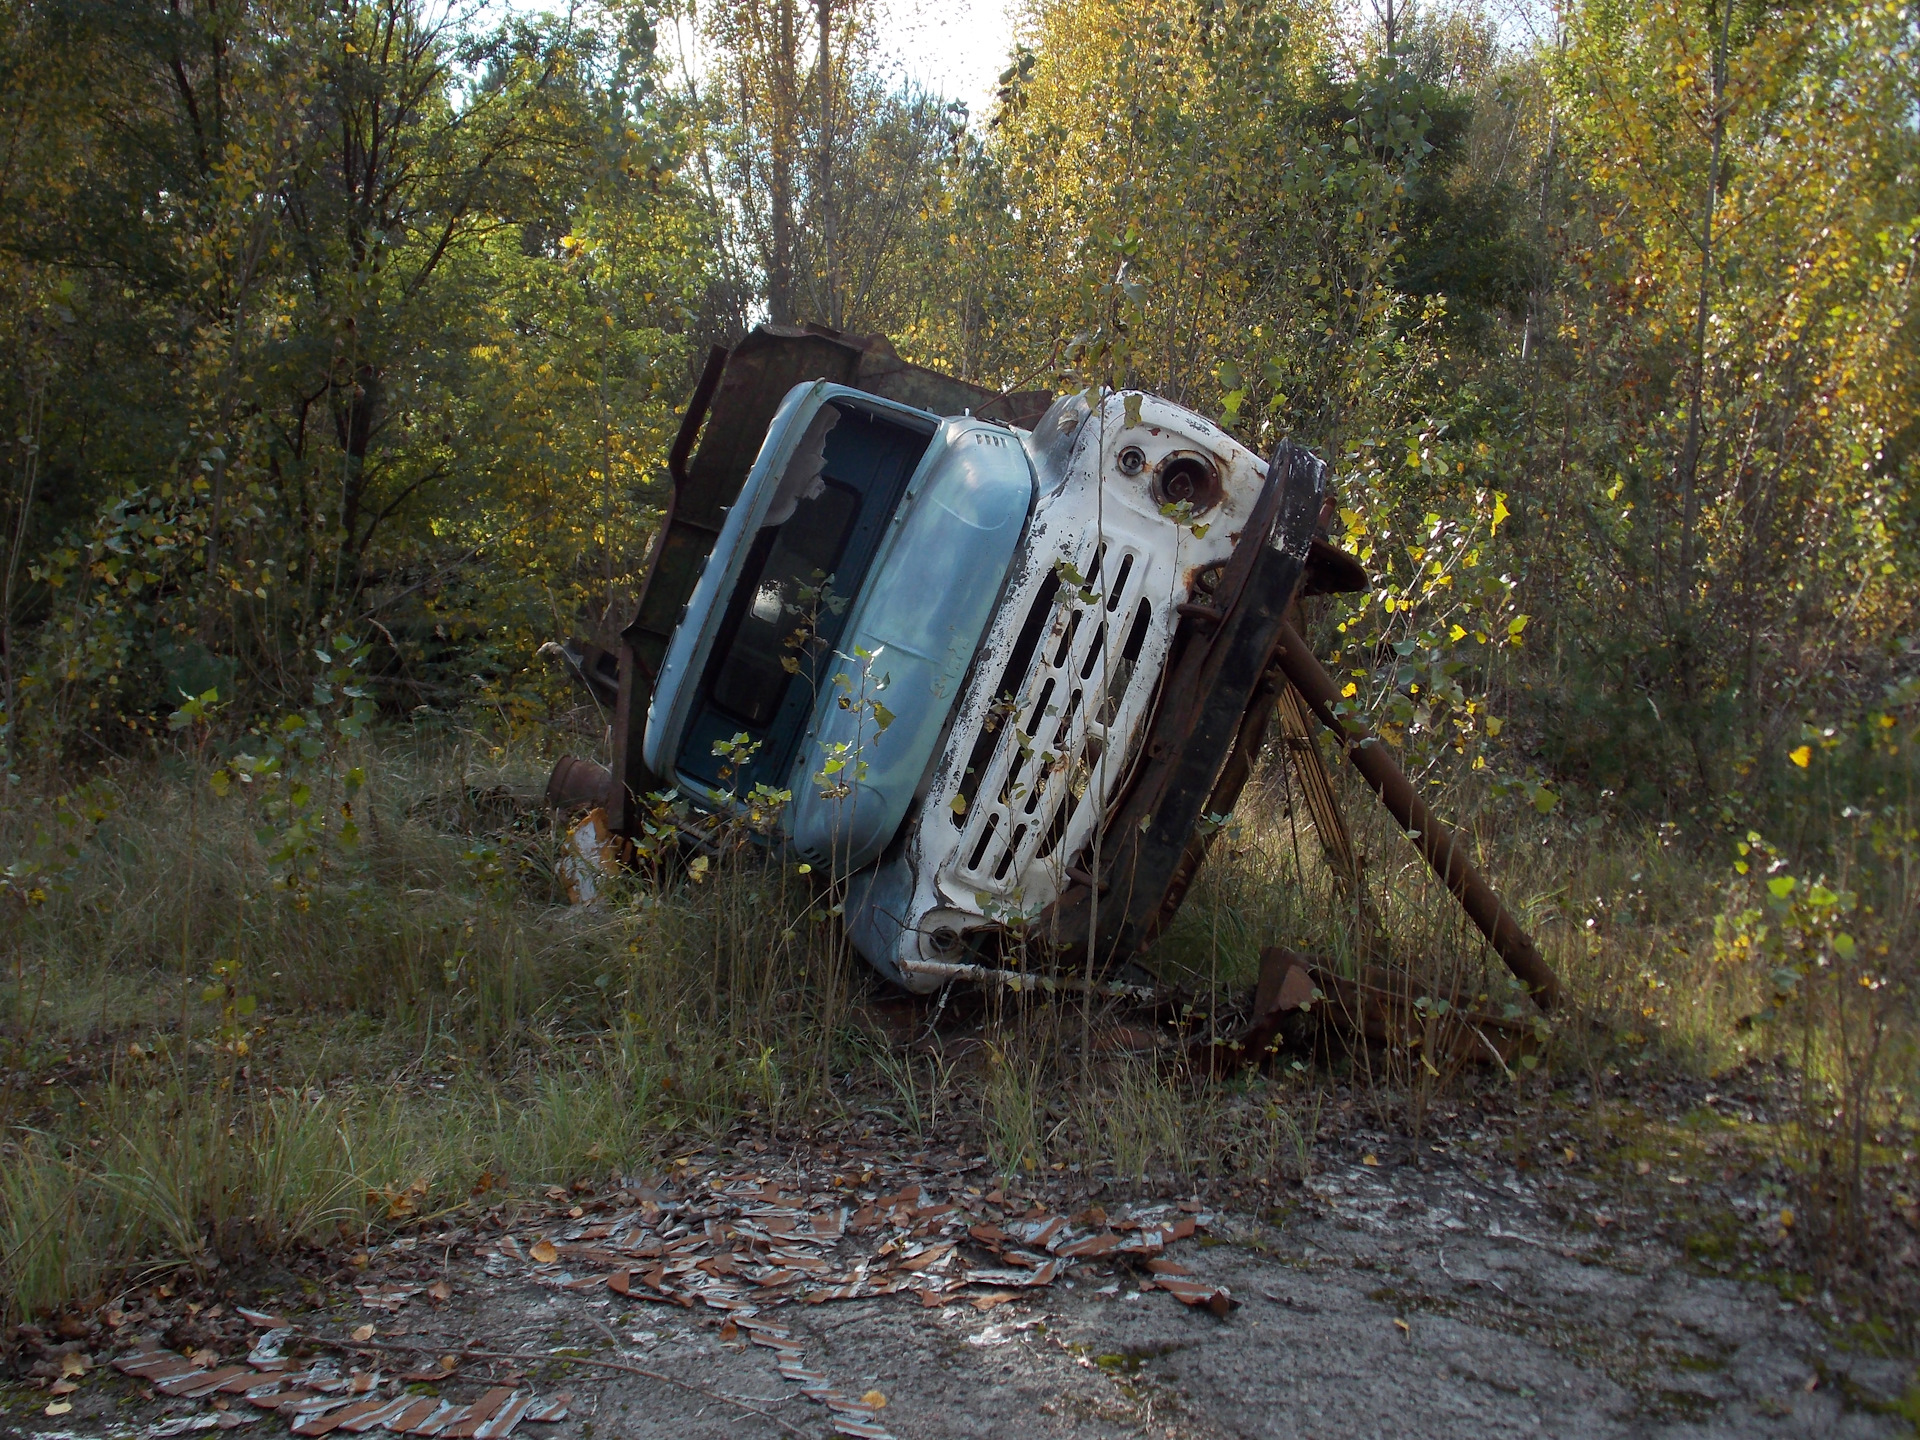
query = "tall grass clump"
x=257 y=1040
x=173 y=1177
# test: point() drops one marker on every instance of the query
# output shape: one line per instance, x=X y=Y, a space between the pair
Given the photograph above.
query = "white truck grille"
x=1045 y=781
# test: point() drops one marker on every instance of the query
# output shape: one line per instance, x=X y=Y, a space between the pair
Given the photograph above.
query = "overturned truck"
x=1004 y=652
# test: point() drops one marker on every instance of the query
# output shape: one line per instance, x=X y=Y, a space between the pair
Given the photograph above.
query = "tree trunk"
x=782 y=68
x=1689 y=465
x=823 y=180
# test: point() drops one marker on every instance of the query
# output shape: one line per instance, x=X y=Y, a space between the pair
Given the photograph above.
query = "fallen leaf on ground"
x=72 y=1365
x=439 y=1292
x=62 y=1387
x=875 y=1399
x=58 y=1407
x=543 y=1252
x=363 y=1332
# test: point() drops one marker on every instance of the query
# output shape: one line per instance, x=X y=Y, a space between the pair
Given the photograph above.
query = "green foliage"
x=303 y=784
x=402 y=327
x=398 y=333
x=1728 y=375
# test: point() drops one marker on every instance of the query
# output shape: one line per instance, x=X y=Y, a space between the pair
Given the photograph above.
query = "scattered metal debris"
x=741 y=1243
x=318 y=1399
x=745 y=1244
x=1304 y=1006
x=725 y=1241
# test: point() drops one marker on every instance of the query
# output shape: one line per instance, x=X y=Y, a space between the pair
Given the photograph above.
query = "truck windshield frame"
x=818 y=513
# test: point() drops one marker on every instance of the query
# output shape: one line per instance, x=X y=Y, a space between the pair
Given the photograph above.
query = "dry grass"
x=204 y=1069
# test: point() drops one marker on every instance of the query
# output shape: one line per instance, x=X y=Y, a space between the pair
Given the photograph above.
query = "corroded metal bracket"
x=1303 y=1006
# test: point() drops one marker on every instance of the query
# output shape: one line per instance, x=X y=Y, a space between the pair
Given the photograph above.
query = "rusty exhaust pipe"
x=575 y=783
x=1445 y=851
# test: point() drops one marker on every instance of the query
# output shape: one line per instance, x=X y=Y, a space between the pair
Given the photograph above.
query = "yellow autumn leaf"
x=1801 y=755
x=543 y=1252
x=875 y=1399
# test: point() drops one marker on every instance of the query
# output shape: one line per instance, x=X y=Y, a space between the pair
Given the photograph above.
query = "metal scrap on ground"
x=318 y=1399
x=740 y=1243
x=744 y=1243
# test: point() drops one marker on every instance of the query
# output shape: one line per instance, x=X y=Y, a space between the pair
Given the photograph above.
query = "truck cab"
x=995 y=658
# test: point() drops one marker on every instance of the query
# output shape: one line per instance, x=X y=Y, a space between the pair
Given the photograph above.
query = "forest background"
x=343 y=339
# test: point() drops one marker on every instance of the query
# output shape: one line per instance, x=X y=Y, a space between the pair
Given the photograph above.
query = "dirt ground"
x=1410 y=1304
x=1421 y=1295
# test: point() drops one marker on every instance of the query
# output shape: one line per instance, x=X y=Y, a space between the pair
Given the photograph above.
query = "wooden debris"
x=1300 y=1005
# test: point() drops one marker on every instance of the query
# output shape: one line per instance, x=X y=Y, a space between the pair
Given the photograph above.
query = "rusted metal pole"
x=1445 y=851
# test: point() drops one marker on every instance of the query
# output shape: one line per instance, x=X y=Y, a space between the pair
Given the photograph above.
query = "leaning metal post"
x=1444 y=850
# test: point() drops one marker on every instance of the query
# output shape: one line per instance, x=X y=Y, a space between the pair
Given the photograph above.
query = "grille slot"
x=1123 y=669
x=992 y=731
x=986 y=838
